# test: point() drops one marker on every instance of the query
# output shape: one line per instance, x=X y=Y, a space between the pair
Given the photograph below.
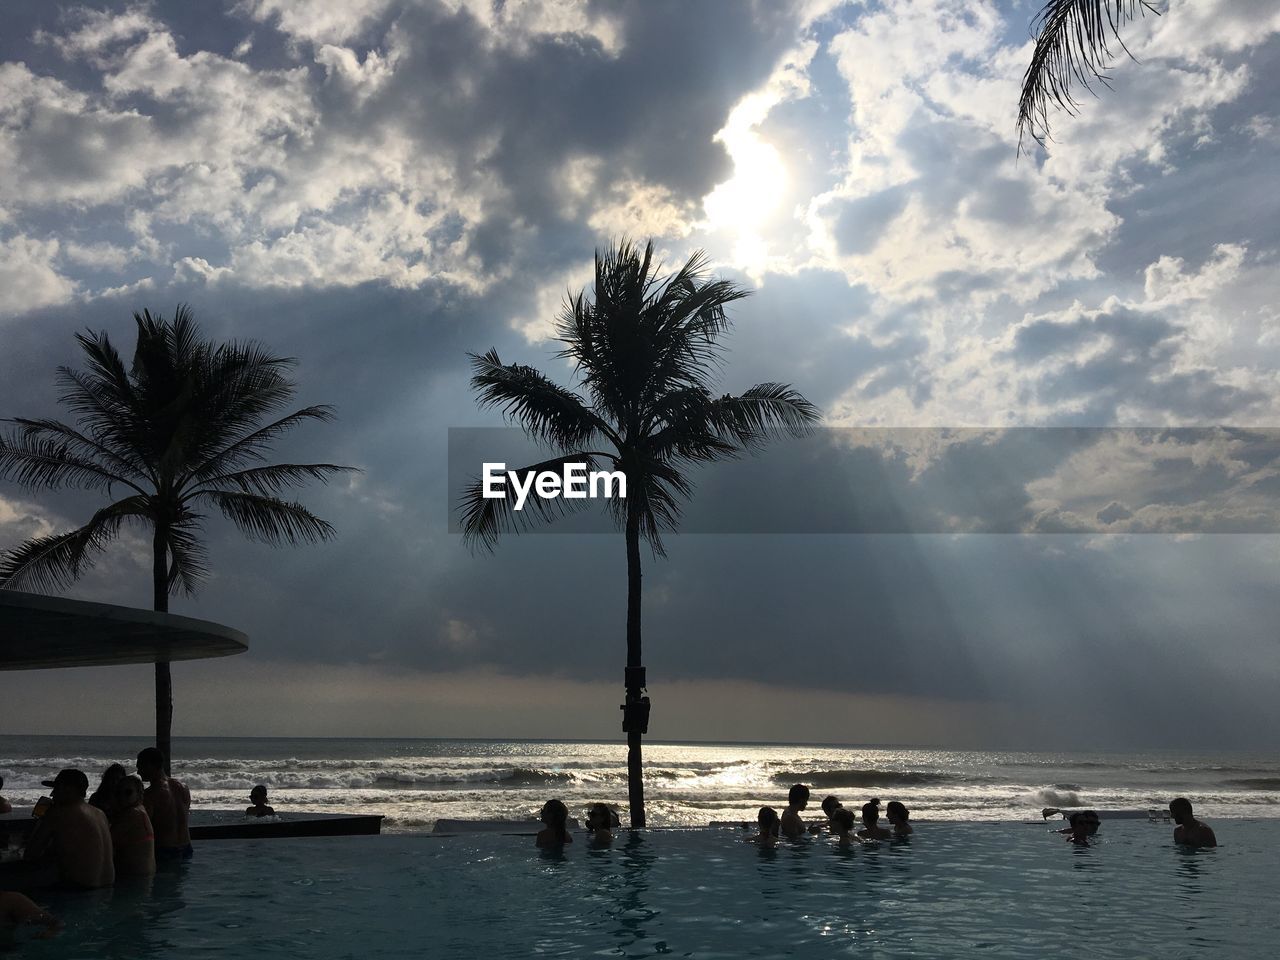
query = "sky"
x=377 y=188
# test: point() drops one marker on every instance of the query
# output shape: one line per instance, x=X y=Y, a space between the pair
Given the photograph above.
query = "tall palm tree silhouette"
x=646 y=353
x=178 y=431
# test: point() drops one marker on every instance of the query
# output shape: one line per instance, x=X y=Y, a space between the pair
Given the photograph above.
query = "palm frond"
x=87 y=448
x=34 y=460
x=274 y=478
x=767 y=411
x=484 y=519
x=269 y=519
x=55 y=562
x=547 y=411
x=253 y=446
x=188 y=557
x=1073 y=46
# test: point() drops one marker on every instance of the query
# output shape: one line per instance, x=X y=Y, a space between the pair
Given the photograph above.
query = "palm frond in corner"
x=1073 y=48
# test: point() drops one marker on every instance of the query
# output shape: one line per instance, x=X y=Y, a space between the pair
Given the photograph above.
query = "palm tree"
x=1073 y=45
x=645 y=353
x=177 y=432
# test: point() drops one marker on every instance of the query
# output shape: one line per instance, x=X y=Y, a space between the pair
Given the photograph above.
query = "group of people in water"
x=602 y=820
x=124 y=828
x=130 y=824
x=840 y=822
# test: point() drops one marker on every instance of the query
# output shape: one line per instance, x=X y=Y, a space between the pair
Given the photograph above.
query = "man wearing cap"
x=76 y=834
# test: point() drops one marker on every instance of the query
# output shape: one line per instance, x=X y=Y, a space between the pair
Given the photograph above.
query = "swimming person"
x=556 y=816
x=104 y=797
x=797 y=799
x=870 y=819
x=16 y=908
x=767 y=818
x=1087 y=818
x=842 y=827
x=1190 y=831
x=899 y=817
x=168 y=804
x=830 y=804
x=75 y=834
x=601 y=819
x=1079 y=833
x=133 y=841
x=260 y=808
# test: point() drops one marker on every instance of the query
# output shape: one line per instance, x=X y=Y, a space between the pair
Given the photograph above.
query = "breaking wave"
x=866 y=778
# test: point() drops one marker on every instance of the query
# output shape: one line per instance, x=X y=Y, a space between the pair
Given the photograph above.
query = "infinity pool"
x=989 y=890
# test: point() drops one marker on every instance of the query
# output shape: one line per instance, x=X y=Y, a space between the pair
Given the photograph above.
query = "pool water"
x=990 y=890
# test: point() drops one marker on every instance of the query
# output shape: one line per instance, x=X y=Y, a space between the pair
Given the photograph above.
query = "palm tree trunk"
x=634 y=686
x=164 y=682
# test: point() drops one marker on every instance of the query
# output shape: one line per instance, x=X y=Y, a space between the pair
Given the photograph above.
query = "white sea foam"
x=415 y=782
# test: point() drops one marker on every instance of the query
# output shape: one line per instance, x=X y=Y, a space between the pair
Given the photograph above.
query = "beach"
x=414 y=782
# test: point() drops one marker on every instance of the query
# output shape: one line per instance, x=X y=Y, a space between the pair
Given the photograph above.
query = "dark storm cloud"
x=519 y=112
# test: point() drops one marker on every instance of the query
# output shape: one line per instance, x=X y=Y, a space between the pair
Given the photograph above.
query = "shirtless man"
x=167 y=802
x=76 y=834
x=797 y=799
x=1190 y=831
x=132 y=837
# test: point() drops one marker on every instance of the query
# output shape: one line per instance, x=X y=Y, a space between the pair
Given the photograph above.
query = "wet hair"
x=768 y=820
x=898 y=810
x=130 y=783
x=260 y=788
x=1180 y=804
x=151 y=757
x=799 y=793
x=830 y=804
x=843 y=819
x=603 y=809
x=555 y=815
x=871 y=810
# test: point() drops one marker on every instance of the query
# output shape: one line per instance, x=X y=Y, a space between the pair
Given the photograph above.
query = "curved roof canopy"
x=38 y=631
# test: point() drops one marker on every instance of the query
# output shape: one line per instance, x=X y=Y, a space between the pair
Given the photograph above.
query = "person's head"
x=1079 y=831
x=798 y=796
x=1 y=783
x=871 y=812
x=1180 y=810
x=601 y=816
x=555 y=815
x=69 y=786
x=111 y=776
x=897 y=812
x=128 y=792
x=1084 y=820
x=842 y=820
x=830 y=805
x=150 y=763
x=258 y=795
x=768 y=820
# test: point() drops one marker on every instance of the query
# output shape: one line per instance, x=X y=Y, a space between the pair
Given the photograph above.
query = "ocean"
x=415 y=782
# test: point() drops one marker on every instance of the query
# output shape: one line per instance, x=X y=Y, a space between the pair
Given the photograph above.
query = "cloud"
x=29 y=279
